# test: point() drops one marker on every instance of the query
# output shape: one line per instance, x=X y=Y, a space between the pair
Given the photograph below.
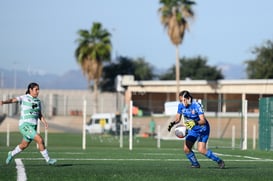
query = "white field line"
x=147 y=159
x=21 y=173
x=243 y=158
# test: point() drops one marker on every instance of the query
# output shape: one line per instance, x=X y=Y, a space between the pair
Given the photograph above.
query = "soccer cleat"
x=51 y=161
x=9 y=158
x=221 y=164
x=195 y=166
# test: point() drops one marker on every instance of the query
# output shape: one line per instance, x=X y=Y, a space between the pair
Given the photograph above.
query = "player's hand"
x=190 y=124
x=171 y=125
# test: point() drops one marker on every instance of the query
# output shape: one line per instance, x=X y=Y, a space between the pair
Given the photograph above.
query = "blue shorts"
x=199 y=133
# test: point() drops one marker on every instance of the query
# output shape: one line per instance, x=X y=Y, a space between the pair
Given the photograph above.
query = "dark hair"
x=186 y=94
x=31 y=86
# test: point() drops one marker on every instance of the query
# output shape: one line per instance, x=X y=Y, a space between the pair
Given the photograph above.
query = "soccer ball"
x=180 y=131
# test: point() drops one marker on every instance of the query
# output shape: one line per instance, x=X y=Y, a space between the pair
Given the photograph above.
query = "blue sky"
x=40 y=35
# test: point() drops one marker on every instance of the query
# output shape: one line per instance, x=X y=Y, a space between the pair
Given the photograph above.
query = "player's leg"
x=19 y=148
x=202 y=148
x=41 y=146
x=29 y=133
x=25 y=130
x=188 y=144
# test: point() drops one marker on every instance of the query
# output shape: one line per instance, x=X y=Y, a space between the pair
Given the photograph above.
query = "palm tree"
x=94 y=47
x=174 y=17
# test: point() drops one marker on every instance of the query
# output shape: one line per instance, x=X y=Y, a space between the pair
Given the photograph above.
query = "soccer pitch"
x=103 y=159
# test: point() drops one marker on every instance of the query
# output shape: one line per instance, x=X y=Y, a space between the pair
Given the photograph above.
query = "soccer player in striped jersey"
x=30 y=113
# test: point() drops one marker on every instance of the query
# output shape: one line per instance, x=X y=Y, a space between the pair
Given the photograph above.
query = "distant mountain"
x=232 y=71
x=74 y=79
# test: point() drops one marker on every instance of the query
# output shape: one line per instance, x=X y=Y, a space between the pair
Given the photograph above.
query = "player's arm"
x=42 y=118
x=177 y=120
x=202 y=120
x=201 y=115
x=9 y=101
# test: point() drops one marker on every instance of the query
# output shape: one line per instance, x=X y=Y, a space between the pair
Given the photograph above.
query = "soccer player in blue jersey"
x=30 y=113
x=192 y=115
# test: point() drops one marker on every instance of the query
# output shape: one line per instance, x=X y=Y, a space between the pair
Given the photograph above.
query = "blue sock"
x=212 y=156
x=192 y=158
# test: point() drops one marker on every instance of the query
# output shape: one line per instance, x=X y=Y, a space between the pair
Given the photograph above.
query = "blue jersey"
x=192 y=112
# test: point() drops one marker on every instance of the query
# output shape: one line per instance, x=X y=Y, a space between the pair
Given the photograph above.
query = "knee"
x=186 y=150
x=23 y=145
x=39 y=139
x=202 y=150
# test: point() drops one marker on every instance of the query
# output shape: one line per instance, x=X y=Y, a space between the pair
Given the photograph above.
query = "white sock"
x=16 y=150
x=45 y=154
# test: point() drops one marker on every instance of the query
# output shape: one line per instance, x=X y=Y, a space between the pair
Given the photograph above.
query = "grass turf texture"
x=104 y=160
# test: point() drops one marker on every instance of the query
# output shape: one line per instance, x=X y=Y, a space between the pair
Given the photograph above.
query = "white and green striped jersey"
x=30 y=109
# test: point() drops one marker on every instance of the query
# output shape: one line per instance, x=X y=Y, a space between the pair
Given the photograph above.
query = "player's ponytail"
x=31 y=86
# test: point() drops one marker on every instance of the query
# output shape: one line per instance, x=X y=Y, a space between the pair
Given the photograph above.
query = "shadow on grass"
x=64 y=165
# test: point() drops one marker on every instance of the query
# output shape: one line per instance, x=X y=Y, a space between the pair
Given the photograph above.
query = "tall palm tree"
x=94 y=47
x=174 y=17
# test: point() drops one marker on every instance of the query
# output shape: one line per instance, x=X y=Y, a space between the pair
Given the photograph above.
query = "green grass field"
x=103 y=159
